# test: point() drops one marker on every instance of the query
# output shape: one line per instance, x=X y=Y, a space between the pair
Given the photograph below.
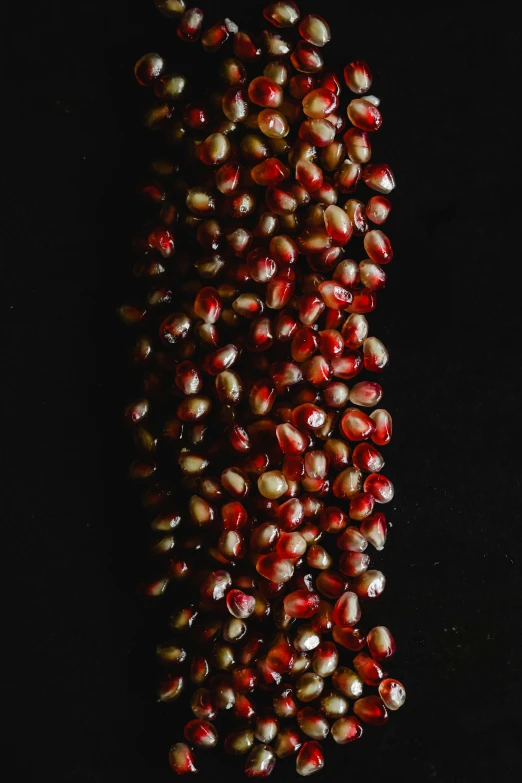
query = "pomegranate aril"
x=380 y=487
x=333 y=705
x=364 y=115
x=273 y=124
x=320 y=103
x=287 y=742
x=371 y=709
x=374 y=529
x=265 y=92
x=148 y=69
x=278 y=72
x=239 y=742
x=312 y=723
x=245 y=48
x=305 y=640
x=309 y=686
x=182 y=760
x=331 y=584
x=190 y=24
x=370 y=671
x=377 y=209
x=266 y=727
x=315 y=30
x=358 y=146
x=274 y=568
x=347 y=611
x=291 y=545
x=393 y=693
x=269 y=172
x=378 y=247
x=339 y=228
x=309 y=175
x=367 y=458
x=310 y=759
x=358 y=76
x=346 y=730
x=301 y=603
x=260 y=762
x=347 y=682
x=283 y=13
x=370 y=584
x=381 y=643
x=379 y=177
x=318 y=132
x=307 y=58
x=353 y=639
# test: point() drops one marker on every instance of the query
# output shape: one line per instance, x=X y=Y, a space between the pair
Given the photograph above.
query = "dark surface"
x=77 y=677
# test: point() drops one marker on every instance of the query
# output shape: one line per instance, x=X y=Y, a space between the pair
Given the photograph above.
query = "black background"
x=78 y=695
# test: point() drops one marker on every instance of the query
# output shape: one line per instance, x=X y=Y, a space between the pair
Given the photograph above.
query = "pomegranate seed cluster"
x=259 y=428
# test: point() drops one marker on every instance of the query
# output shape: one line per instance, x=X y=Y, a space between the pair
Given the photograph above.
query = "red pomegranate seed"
x=378 y=247
x=304 y=344
x=307 y=58
x=374 y=529
x=245 y=47
x=338 y=227
x=325 y=659
x=355 y=211
x=372 y=275
x=368 y=670
x=301 y=84
x=309 y=175
x=380 y=487
x=208 y=305
x=331 y=584
x=356 y=425
x=333 y=520
x=201 y=733
x=182 y=760
x=358 y=145
x=239 y=742
x=283 y=13
x=274 y=44
x=285 y=705
x=318 y=557
x=378 y=208
x=301 y=603
x=312 y=723
x=269 y=172
x=240 y=604
x=379 y=177
x=364 y=115
x=309 y=687
x=381 y=643
x=287 y=742
x=310 y=759
x=265 y=92
x=273 y=124
x=370 y=709
x=315 y=30
x=266 y=727
x=346 y=730
x=370 y=584
x=189 y=27
x=291 y=545
x=275 y=569
x=393 y=693
x=361 y=506
x=320 y=103
x=347 y=611
x=367 y=458
x=148 y=69
x=358 y=76
x=260 y=762
x=318 y=132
